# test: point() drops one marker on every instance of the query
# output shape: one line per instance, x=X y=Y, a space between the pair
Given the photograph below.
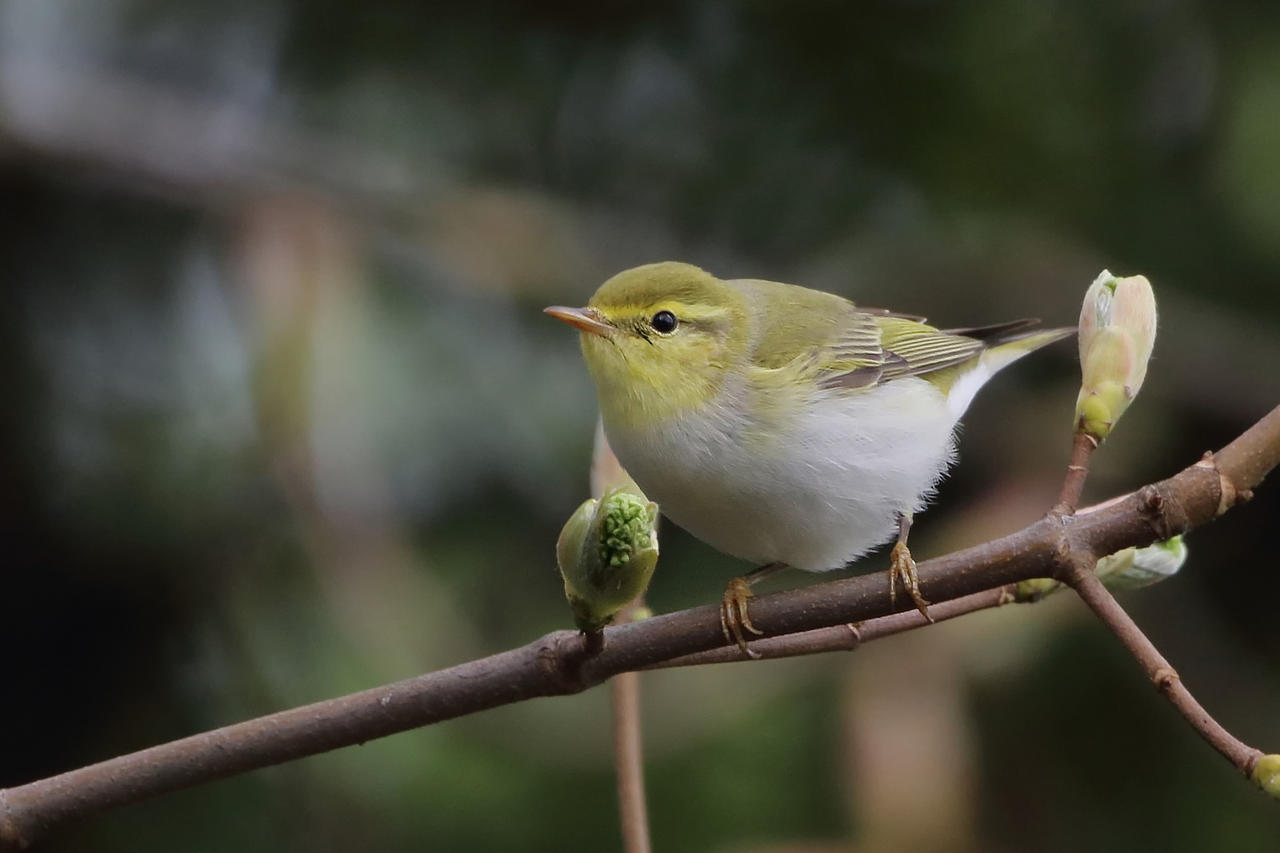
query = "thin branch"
x=1078 y=571
x=846 y=638
x=628 y=749
x=628 y=759
x=1082 y=579
x=556 y=663
x=1077 y=471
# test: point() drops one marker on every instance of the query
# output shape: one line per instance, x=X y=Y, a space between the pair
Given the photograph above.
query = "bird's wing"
x=853 y=358
x=903 y=346
x=828 y=340
x=920 y=348
x=810 y=334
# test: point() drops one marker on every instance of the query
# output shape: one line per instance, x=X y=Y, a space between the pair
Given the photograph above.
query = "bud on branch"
x=1117 y=332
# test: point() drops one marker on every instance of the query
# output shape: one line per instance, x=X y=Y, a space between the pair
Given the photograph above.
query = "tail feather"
x=997 y=333
x=1007 y=343
x=1008 y=348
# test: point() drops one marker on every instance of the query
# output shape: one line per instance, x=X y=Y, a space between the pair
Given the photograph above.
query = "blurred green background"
x=283 y=419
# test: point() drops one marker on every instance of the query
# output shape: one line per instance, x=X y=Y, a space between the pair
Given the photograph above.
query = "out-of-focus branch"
x=194 y=151
x=556 y=663
x=628 y=750
x=628 y=759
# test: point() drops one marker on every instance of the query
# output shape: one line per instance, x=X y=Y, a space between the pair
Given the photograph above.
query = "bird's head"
x=659 y=339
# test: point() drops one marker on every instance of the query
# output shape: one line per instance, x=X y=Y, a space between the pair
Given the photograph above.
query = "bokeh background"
x=282 y=417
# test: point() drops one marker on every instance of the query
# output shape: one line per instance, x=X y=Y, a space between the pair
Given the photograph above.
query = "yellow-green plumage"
x=775 y=422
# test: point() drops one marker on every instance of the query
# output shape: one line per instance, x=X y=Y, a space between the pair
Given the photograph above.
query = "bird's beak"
x=586 y=319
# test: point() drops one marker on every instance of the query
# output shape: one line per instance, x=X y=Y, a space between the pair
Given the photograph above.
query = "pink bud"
x=1117 y=333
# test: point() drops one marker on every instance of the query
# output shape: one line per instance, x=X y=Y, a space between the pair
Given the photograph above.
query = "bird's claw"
x=903 y=567
x=734 y=617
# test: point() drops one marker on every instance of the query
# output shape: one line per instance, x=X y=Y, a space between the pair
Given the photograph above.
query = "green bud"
x=1129 y=568
x=1266 y=774
x=574 y=534
x=607 y=552
x=1117 y=333
x=1034 y=589
x=1138 y=567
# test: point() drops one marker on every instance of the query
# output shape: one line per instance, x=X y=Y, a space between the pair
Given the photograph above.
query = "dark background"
x=283 y=420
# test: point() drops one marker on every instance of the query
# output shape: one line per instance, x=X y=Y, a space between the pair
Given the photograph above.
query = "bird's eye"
x=664 y=322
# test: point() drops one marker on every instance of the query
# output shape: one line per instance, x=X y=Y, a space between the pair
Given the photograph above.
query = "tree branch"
x=628 y=762
x=556 y=663
x=1077 y=470
x=1082 y=579
x=847 y=637
x=1078 y=571
x=628 y=748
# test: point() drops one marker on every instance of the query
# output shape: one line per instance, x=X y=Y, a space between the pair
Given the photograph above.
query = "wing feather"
x=828 y=340
x=924 y=349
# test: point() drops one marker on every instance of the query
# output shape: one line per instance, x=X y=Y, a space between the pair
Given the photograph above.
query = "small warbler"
x=781 y=424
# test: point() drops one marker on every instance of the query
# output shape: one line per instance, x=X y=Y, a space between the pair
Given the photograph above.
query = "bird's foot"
x=734 y=617
x=903 y=568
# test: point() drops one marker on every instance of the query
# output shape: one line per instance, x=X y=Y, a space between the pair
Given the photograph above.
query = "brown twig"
x=1080 y=577
x=555 y=664
x=1078 y=572
x=1077 y=472
x=846 y=638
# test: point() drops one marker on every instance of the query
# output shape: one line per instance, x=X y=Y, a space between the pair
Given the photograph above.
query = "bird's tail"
x=1004 y=349
x=1006 y=343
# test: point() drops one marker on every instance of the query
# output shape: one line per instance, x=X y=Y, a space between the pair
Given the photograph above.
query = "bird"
x=780 y=424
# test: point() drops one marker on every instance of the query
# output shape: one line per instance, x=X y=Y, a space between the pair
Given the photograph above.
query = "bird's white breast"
x=814 y=494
